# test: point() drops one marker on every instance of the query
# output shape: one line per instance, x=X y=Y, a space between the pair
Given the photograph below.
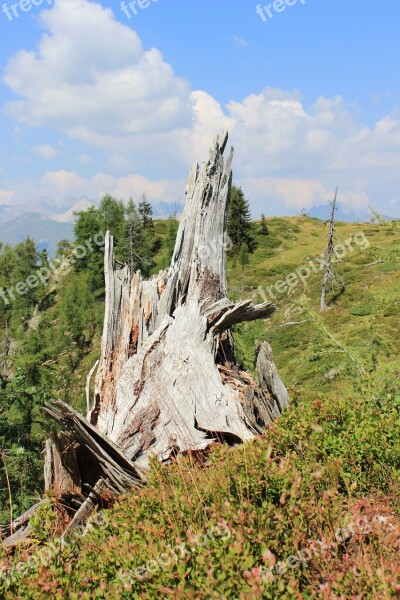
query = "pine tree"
x=146 y=214
x=240 y=228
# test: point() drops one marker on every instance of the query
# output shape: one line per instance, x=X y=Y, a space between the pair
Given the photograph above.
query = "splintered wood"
x=167 y=381
x=158 y=386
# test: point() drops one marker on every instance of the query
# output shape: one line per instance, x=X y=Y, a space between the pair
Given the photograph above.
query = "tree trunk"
x=329 y=275
x=167 y=380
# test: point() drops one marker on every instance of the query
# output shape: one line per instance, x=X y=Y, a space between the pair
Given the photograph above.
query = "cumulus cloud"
x=62 y=183
x=91 y=79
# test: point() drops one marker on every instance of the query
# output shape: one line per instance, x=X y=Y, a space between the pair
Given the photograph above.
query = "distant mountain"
x=44 y=231
x=69 y=216
x=323 y=213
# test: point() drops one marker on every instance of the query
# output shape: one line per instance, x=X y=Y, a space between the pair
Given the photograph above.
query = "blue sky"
x=93 y=102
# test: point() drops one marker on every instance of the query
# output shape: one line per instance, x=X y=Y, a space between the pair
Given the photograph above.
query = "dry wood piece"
x=85 y=511
x=61 y=467
x=87 y=455
x=20 y=530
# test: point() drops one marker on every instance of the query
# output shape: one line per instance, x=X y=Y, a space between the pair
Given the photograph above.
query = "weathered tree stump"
x=167 y=381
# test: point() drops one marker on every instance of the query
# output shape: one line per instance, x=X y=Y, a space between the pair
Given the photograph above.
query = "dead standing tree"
x=330 y=275
x=167 y=380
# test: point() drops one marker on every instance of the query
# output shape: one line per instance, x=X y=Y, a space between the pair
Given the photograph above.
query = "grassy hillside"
x=310 y=509
x=364 y=318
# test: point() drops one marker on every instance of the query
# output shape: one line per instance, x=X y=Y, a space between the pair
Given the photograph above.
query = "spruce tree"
x=112 y=218
x=86 y=227
x=146 y=214
x=240 y=228
x=27 y=263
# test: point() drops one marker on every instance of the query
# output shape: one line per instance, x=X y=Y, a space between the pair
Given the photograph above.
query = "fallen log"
x=19 y=529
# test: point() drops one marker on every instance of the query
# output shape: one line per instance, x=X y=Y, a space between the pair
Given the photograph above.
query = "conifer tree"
x=146 y=242
x=146 y=214
x=240 y=228
x=87 y=226
x=27 y=263
x=112 y=218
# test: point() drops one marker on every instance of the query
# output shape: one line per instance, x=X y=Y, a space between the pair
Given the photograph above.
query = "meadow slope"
x=308 y=510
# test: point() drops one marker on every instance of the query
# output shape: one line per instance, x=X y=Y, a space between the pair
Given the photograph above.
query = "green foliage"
x=132 y=236
x=244 y=260
x=263 y=225
x=273 y=497
x=44 y=521
x=21 y=438
x=172 y=230
x=336 y=449
x=362 y=311
x=240 y=227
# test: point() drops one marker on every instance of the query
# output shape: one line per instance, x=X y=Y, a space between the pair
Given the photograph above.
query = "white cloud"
x=6 y=196
x=68 y=182
x=46 y=152
x=292 y=193
x=91 y=79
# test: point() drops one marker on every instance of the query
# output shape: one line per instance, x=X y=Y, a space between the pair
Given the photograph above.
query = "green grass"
x=333 y=457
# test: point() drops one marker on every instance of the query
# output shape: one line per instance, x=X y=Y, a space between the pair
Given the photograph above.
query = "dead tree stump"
x=167 y=380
